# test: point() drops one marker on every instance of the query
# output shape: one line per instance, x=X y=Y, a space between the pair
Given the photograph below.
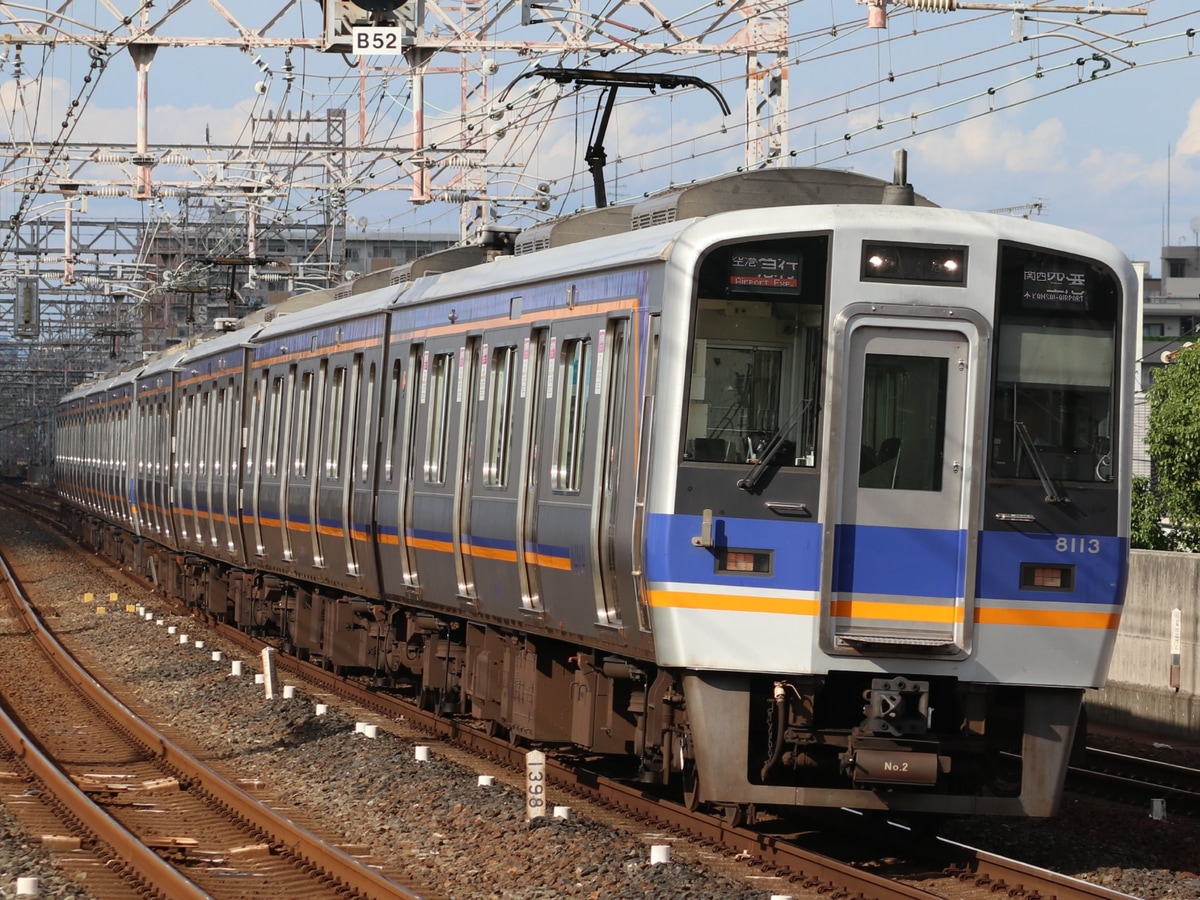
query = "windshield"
x=1056 y=355
x=756 y=354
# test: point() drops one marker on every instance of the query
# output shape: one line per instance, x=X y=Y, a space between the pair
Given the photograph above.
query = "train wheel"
x=737 y=814
x=394 y=658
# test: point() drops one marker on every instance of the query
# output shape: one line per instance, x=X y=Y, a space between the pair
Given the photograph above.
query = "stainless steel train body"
x=815 y=502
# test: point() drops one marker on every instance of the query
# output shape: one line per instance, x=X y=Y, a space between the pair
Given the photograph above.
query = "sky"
x=1094 y=119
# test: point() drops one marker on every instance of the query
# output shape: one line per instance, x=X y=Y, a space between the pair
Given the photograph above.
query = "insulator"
x=937 y=6
x=109 y=190
x=455 y=197
x=177 y=159
x=111 y=158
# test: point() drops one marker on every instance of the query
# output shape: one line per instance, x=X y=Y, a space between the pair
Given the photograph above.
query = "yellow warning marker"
x=129 y=607
x=112 y=598
x=100 y=610
x=89 y=597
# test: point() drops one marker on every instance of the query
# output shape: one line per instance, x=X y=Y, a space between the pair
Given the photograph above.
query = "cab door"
x=899 y=572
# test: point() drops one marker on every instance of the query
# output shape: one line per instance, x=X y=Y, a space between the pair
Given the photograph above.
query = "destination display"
x=1059 y=284
x=758 y=273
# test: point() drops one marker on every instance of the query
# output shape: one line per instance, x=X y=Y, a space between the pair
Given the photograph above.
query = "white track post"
x=535 y=784
x=268 y=660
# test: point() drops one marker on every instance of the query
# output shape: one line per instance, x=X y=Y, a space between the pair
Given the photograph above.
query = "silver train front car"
x=796 y=499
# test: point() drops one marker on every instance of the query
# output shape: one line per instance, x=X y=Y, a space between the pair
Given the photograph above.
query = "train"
x=789 y=488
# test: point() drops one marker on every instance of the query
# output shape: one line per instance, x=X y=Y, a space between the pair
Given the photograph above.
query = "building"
x=213 y=279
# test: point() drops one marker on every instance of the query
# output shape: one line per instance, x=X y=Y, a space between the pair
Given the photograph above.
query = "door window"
x=903 y=422
x=440 y=376
x=575 y=369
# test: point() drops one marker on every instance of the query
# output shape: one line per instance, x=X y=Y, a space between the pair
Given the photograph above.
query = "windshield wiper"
x=1035 y=460
x=768 y=452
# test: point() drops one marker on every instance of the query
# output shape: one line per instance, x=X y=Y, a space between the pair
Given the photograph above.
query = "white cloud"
x=1110 y=171
x=35 y=109
x=989 y=143
x=32 y=108
x=1189 y=141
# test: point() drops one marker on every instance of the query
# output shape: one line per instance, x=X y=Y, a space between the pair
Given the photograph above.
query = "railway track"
x=994 y=875
x=972 y=872
x=1136 y=780
x=167 y=824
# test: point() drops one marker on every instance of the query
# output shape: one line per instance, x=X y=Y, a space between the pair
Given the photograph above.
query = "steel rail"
x=1135 y=779
x=151 y=870
x=299 y=841
x=1018 y=879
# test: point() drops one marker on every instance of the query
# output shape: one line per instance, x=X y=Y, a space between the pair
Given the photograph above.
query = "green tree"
x=1174 y=444
x=1146 y=531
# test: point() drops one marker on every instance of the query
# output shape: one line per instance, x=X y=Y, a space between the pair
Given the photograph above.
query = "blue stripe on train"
x=912 y=562
x=670 y=555
x=1100 y=565
x=869 y=559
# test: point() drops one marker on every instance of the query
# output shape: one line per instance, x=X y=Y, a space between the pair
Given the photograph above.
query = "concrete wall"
x=1139 y=692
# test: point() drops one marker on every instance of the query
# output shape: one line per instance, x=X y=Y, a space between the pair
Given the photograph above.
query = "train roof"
x=628 y=249
x=165 y=361
x=110 y=381
x=756 y=189
x=79 y=392
x=633 y=234
x=351 y=307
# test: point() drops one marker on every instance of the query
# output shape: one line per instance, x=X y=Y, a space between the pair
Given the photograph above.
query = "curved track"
x=167 y=823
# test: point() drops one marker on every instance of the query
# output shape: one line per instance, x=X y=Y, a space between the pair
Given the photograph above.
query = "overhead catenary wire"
x=811 y=44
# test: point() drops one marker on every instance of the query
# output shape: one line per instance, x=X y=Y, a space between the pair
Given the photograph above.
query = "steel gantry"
x=88 y=289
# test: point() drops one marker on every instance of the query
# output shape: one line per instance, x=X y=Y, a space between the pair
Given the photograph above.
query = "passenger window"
x=304 y=426
x=502 y=385
x=189 y=451
x=366 y=418
x=203 y=436
x=903 y=423
x=255 y=442
x=222 y=427
x=337 y=399
x=235 y=433
x=441 y=374
x=389 y=447
x=574 y=376
x=756 y=353
x=271 y=456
